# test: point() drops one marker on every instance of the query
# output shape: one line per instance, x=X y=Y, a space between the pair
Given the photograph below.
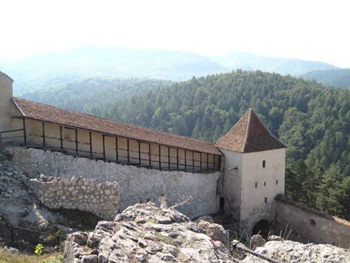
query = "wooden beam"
x=160 y=159
x=61 y=138
x=90 y=141
x=150 y=154
x=193 y=160
x=76 y=142
x=128 y=150
x=139 y=153
x=177 y=158
x=169 y=158
x=207 y=162
x=116 y=149
x=104 y=146
x=24 y=132
x=43 y=131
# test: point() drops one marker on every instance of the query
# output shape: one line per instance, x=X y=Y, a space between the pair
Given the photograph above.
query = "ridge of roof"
x=249 y=134
x=44 y=112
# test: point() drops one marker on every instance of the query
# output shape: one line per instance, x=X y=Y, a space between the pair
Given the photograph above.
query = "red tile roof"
x=42 y=112
x=249 y=134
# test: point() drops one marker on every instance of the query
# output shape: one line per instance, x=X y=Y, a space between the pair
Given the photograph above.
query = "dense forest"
x=312 y=120
x=335 y=77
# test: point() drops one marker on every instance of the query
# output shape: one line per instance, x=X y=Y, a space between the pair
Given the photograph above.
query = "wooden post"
x=150 y=154
x=104 y=147
x=177 y=158
x=219 y=166
x=43 y=131
x=207 y=162
x=61 y=138
x=169 y=158
x=200 y=161
x=116 y=149
x=186 y=160
x=90 y=141
x=193 y=160
x=139 y=153
x=24 y=132
x=160 y=159
x=76 y=142
x=128 y=150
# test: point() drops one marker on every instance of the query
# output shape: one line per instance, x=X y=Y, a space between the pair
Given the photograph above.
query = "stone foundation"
x=137 y=185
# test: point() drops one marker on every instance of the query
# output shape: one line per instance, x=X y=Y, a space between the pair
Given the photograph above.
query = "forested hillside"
x=312 y=120
x=336 y=77
x=92 y=95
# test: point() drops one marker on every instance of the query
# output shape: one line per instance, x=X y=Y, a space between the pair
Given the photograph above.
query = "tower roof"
x=249 y=134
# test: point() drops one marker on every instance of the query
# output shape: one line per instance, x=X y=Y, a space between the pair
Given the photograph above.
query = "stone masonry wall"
x=101 y=199
x=137 y=185
x=309 y=225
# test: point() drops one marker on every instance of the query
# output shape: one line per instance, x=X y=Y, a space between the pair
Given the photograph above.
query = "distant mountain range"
x=58 y=69
x=284 y=66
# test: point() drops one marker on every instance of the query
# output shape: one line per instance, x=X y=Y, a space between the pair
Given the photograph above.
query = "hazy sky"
x=307 y=29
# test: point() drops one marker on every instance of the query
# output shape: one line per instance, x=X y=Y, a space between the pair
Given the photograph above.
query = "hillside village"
x=69 y=160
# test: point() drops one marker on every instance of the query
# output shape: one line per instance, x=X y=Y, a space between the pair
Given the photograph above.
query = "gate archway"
x=263 y=227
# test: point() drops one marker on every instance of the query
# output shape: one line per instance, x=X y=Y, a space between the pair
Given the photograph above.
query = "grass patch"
x=7 y=257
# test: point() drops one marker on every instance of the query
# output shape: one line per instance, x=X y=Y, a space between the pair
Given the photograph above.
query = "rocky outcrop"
x=101 y=199
x=294 y=252
x=146 y=233
x=20 y=209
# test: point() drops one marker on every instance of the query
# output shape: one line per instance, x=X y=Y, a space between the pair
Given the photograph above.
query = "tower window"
x=265 y=200
x=264 y=183
x=276 y=182
x=263 y=163
x=256 y=185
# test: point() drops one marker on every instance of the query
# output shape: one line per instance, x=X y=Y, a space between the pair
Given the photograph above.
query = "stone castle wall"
x=137 y=185
x=309 y=225
x=101 y=199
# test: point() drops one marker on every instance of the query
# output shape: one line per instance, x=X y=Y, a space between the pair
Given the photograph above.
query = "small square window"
x=276 y=182
x=264 y=164
x=265 y=200
x=256 y=185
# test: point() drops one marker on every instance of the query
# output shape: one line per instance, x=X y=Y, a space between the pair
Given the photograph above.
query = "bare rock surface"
x=294 y=252
x=18 y=208
x=146 y=233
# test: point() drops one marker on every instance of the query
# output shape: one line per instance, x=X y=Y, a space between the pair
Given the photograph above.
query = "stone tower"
x=254 y=171
x=5 y=101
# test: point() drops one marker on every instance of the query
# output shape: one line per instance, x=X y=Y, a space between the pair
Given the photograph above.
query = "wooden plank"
x=43 y=131
x=61 y=138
